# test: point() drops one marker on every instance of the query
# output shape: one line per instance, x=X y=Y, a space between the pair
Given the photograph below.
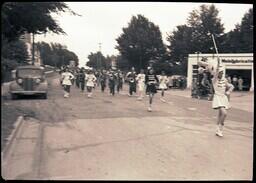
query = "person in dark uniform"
x=82 y=79
x=119 y=81
x=112 y=82
x=151 y=81
x=132 y=81
x=103 y=80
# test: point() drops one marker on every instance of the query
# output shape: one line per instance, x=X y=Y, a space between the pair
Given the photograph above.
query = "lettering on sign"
x=236 y=61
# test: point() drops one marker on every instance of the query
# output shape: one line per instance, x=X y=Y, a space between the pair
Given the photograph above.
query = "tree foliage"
x=194 y=37
x=240 y=39
x=55 y=54
x=16 y=50
x=140 y=42
x=31 y=17
x=99 y=61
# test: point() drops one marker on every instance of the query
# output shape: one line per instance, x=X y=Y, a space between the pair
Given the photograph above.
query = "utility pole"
x=33 y=48
x=100 y=55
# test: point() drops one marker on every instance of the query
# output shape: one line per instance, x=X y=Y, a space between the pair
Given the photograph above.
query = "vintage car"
x=29 y=80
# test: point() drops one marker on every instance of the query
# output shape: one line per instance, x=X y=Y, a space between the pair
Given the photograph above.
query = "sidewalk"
x=239 y=100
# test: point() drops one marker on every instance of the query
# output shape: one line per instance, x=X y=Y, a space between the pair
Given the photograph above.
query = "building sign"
x=236 y=61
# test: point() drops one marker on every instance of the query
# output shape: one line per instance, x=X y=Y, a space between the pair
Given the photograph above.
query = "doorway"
x=244 y=73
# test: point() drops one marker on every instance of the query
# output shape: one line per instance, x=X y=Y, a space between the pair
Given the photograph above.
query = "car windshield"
x=30 y=73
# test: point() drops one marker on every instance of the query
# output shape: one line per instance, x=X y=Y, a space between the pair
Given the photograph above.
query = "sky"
x=102 y=22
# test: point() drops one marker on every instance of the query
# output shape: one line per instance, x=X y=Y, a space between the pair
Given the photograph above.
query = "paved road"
x=115 y=138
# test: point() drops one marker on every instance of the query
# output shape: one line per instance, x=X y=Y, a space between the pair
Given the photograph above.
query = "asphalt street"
x=116 y=138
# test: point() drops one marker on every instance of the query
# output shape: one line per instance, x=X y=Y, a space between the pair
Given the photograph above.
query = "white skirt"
x=141 y=86
x=162 y=86
x=220 y=101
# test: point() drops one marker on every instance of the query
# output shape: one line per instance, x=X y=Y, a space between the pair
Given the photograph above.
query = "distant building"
x=235 y=64
x=27 y=39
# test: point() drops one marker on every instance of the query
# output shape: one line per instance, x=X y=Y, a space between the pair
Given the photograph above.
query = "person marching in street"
x=222 y=90
x=151 y=81
x=132 y=81
x=103 y=80
x=82 y=79
x=119 y=81
x=141 y=83
x=90 y=82
x=163 y=80
x=150 y=66
x=66 y=78
x=112 y=83
x=76 y=74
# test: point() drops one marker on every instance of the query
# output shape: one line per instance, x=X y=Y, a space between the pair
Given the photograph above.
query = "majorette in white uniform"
x=163 y=80
x=141 y=81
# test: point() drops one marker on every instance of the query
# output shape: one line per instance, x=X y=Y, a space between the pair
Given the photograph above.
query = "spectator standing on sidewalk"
x=240 y=83
x=235 y=82
x=66 y=78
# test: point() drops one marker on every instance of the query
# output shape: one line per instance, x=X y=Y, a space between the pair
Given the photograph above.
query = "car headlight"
x=19 y=81
x=37 y=80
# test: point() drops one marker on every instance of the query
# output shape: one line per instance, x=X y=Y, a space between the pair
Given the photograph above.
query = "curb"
x=12 y=136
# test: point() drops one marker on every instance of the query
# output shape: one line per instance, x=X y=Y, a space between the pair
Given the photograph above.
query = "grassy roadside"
x=9 y=115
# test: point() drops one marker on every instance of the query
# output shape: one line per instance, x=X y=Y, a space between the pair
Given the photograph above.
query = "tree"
x=122 y=63
x=98 y=61
x=140 y=42
x=55 y=54
x=16 y=50
x=194 y=37
x=202 y=22
x=180 y=45
x=246 y=32
x=31 y=17
x=240 y=39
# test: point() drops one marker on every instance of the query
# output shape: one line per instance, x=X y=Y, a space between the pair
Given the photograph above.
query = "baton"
x=216 y=49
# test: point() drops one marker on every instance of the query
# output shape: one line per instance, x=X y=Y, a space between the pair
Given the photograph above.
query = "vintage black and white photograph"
x=127 y=91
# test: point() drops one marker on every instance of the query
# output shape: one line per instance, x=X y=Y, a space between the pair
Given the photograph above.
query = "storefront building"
x=238 y=65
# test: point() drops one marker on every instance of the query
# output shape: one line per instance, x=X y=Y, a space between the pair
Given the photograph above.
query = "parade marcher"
x=240 y=83
x=112 y=83
x=82 y=79
x=67 y=77
x=90 y=82
x=150 y=66
x=120 y=78
x=103 y=80
x=77 y=72
x=141 y=83
x=132 y=81
x=163 y=80
x=222 y=90
x=151 y=81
